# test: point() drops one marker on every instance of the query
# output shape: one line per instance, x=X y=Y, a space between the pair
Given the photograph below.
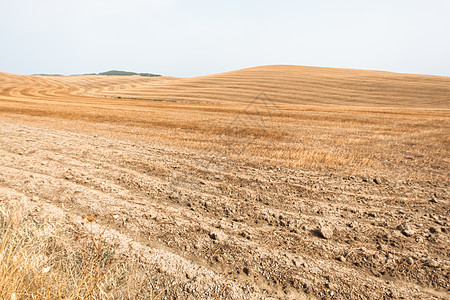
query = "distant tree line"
x=47 y=74
x=125 y=73
x=110 y=73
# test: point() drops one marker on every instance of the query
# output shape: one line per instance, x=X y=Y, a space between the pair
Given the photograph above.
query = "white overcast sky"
x=199 y=37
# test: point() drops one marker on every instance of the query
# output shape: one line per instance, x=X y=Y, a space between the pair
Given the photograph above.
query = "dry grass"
x=38 y=260
x=309 y=118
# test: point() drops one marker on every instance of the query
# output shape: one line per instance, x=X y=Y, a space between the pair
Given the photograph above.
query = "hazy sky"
x=199 y=37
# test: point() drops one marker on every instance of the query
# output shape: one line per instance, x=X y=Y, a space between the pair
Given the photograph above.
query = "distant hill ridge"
x=111 y=73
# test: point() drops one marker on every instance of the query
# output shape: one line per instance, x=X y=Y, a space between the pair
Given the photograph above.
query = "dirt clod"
x=217 y=236
x=342 y=258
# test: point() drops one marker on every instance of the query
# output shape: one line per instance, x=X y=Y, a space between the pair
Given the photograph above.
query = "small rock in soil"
x=326 y=232
x=408 y=232
x=406 y=229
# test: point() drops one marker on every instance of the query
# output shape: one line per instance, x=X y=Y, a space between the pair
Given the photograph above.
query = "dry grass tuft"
x=40 y=261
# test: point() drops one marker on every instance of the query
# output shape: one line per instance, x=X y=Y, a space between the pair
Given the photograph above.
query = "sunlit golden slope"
x=62 y=88
x=301 y=85
x=282 y=84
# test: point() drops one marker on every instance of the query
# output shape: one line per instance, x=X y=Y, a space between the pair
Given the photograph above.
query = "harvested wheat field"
x=280 y=182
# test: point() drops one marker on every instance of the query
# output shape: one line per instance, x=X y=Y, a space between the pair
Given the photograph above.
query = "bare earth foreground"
x=277 y=181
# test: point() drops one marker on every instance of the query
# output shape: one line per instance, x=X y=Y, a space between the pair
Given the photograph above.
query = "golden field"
x=227 y=184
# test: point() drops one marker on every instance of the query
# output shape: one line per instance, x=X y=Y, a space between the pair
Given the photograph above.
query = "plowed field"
x=277 y=181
